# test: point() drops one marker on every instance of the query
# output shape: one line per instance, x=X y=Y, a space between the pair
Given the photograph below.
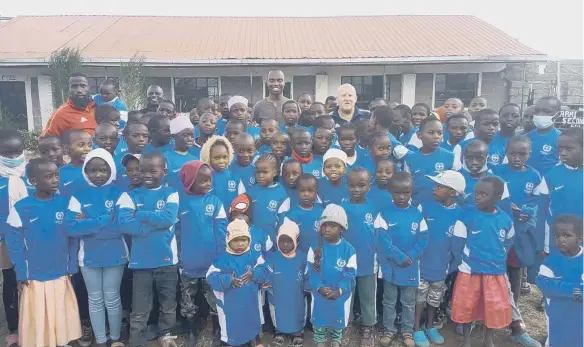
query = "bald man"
x=271 y=107
x=154 y=95
x=346 y=110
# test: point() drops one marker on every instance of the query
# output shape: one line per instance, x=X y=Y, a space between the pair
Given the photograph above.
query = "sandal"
x=279 y=339
x=408 y=339
x=298 y=340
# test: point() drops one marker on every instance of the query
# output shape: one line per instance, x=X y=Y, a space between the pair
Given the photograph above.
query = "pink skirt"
x=49 y=315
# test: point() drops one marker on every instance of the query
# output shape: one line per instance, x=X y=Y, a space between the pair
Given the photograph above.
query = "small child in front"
x=480 y=290
x=235 y=277
x=560 y=280
x=331 y=268
x=286 y=276
x=48 y=307
x=148 y=214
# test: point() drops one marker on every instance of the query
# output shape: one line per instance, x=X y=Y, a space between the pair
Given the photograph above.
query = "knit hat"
x=237 y=99
x=334 y=153
x=334 y=213
x=241 y=203
x=289 y=228
x=179 y=124
x=188 y=173
x=235 y=229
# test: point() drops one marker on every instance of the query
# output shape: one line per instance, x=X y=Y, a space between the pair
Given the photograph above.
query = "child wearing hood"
x=217 y=152
x=331 y=268
x=202 y=239
x=103 y=253
x=235 y=277
x=183 y=134
x=286 y=277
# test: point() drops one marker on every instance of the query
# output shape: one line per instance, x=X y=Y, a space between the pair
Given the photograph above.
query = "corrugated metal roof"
x=111 y=38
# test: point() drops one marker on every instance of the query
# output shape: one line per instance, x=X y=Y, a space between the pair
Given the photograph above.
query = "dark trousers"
x=10 y=299
x=165 y=281
x=82 y=298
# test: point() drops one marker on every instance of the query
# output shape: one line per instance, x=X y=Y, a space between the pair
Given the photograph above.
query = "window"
x=95 y=82
x=368 y=88
x=462 y=86
x=188 y=91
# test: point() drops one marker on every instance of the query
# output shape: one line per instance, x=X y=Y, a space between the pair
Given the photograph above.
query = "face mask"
x=484 y=168
x=12 y=162
x=543 y=122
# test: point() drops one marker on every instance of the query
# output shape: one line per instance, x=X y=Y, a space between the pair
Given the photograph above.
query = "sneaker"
x=11 y=340
x=408 y=340
x=386 y=338
x=420 y=339
x=167 y=341
x=525 y=340
x=367 y=338
x=434 y=336
x=86 y=338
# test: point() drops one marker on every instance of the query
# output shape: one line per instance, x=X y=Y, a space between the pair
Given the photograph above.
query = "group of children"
x=307 y=216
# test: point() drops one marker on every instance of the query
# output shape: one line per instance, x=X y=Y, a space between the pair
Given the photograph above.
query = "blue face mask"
x=12 y=162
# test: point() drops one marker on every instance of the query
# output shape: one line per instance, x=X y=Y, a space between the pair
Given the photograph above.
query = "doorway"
x=13 y=105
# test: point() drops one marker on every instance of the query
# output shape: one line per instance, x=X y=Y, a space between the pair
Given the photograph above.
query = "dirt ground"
x=534 y=320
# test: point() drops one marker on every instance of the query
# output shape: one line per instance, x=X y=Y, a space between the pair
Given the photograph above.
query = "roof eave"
x=302 y=61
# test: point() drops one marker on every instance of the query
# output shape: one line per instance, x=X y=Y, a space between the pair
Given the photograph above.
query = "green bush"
x=31 y=139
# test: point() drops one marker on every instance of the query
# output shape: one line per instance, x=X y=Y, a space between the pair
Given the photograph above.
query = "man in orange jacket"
x=77 y=112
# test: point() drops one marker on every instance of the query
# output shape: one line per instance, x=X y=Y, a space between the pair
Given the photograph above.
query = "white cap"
x=335 y=153
x=236 y=100
x=179 y=124
x=451 y=179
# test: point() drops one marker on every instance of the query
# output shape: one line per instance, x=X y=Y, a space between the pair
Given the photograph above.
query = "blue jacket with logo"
x=267 y=202
x=226 y=186
x=308 y=222
x=362 y=235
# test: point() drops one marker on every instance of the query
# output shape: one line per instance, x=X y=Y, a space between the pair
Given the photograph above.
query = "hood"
x=105 y=155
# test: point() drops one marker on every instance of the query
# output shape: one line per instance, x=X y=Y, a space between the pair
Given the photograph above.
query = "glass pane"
x=201 y=82
x=345 y=79
x=212 y=82
x=367 y=80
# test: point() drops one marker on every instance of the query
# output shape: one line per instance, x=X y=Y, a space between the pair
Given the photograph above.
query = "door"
x=13 y=105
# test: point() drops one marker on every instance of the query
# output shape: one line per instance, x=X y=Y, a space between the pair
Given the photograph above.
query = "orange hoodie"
x=68 y=117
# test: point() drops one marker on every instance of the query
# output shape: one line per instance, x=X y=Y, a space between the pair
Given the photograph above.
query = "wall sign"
x=570 y=119
x=8 y=77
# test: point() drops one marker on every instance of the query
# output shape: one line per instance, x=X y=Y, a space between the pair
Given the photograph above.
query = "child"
x=106 y=113
x=50 y=147
x=148 y=214
x=239 y=111
x=134 y=116
x=322 y=142
x=348 y=142
x=527 y=120
x=160 y=136
x=242 y=168
x=317 y=109
x=269 y=128
x=290 y=113
x=544 y=138
x=241 y=208
x=382 y=122
x=431 y=159
x=379 y=149
x=560 y=280
x=109 y=92
x=457 y=130
x=333 y=186
x=510 y=117
x=203 y=229
x=267 y=195
x=194 y=117
x=403 y=237
x=444 y=220
x=106 y=137
x=206 y=128
x=402 y=118
x=559 y=185
x=304 y=101
x=167 y=108
x=419 y=112
x=331 y=268
x=486 y=125
x=453 y=106
x=306 y=212
x=307 y=118
x=361 y=234
x=183 y=134
x=281 y=146
x=379 y=191
x=480 y=290
x=131 y=178
x=291 y=171
x=330 y=103
x=235 y=277
x=218 y=153
x=302 y=151
x=234 y=128
x=476 y=104
x=103 y=253
x=521 y=180
x=36 y=225
x=364 y=136
x=77 y=144
x=326 y=122
x=12 y=190
x=286 y=277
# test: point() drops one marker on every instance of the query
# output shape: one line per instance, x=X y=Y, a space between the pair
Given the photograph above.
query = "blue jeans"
x=408 y=301
x=103 y=290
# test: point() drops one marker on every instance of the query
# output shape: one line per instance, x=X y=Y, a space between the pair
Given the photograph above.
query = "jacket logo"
x=414 y=227
x=59 y=216
x=209 y=209
x=257 y=247
x=502 y=233
x=316 y=225
x=495 y=158
x=368 y=218
x=439 y=167
x=529 y=187
x=252 y=180
x=109 y=204
x=316 y=173
x=160 y=204
x=83 y=119
x=341 y=263
x=231 y=185
x=546 y=148
x=450 y=231
x=272 y=205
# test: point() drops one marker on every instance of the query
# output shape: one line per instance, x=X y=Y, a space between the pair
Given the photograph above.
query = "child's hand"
x=324 y=291
x=577 y=294
x=406 y=263
x=334 y=294
x=523 y=217
x=22 y=284
x=266 y=285
x=247 y=276
x=80 y=216
x=235 y=282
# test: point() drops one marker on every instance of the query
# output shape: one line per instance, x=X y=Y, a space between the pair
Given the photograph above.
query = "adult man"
x=77 y=112
x=347 y=111
x=271 y=107
x=155 y=95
